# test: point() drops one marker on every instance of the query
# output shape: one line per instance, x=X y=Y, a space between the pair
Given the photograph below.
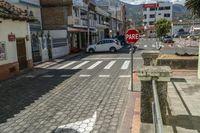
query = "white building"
x=15 y=44
x=154 y=12
x=38 y=41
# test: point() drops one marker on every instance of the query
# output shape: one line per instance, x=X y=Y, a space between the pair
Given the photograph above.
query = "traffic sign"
x=132 y=36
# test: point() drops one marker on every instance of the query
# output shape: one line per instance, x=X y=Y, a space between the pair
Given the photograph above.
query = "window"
x=152 y=16
x=167 y=8
x=145 y=16
x=152 y=9
x=76 y=11
x=167 y=15
x=159 y=13
x=145 y=9
x=161 y=8
x=151 y=23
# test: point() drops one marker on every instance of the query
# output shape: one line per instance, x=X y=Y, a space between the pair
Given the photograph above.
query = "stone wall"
x=179 y=63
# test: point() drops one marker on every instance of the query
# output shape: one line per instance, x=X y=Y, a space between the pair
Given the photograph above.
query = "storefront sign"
x=11 y=37
x=2 y=51
x=155 y=5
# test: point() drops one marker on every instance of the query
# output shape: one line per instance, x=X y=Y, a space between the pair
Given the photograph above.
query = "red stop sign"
x=132 y=36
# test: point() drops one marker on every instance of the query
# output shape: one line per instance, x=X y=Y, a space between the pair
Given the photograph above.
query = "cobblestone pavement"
x=85 y=96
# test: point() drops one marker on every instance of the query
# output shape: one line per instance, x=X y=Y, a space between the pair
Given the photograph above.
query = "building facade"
x=38 y=40
x=15 y=44
x=154 y=12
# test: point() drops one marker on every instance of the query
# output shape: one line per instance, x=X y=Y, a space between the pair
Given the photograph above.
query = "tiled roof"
x=9 y=11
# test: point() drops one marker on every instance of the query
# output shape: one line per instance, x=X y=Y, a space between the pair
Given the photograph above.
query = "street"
x=90 y=87
x=86 y=93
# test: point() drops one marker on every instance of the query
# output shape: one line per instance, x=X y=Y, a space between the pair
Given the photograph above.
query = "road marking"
x=48 y=76
x=84 y=76
x=65 y=76
x=125 y=65
x=85 y=126
x=30 y=76
x=111 y=58
x=95 y=65
x=125 y=76
x=145 y=46
x=80 y=65
x=104 y=76
x=110 y=65
x=62 y=67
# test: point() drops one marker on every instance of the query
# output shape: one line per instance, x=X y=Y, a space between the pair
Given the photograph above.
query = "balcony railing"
x=93 y=23
x=77 y=21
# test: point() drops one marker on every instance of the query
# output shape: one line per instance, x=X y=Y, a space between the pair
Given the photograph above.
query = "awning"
x=70 y=29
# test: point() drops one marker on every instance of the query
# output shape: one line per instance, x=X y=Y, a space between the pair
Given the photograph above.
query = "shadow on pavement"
x=185 y=121
x=15 y=95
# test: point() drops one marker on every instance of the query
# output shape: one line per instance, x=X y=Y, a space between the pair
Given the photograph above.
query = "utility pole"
x=65 y=19
x=88 y=30
x=116 y=18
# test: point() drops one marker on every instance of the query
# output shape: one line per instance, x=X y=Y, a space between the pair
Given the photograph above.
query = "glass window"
x=145 y=16
x=152 y=16
x=167 y=8
x=167 y=15
x=151 y=23
x=152 y=9
x=161 y=8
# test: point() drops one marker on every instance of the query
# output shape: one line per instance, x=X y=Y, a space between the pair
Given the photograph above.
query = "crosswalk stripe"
x=62 y=67
x=104 y=76
x=80 y=65
x=125 y=76
x=84 y=76
x=110 y=64
x=125 y=65
x=95 y=65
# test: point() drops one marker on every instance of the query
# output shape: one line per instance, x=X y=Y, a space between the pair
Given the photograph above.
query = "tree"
x=193 y=6
x=163 y=26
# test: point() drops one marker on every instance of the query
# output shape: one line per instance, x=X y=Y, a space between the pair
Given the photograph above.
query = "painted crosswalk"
x=125 y=65
x=67 y=65
x=95 y=65
x=110 y=65
x=80 y=65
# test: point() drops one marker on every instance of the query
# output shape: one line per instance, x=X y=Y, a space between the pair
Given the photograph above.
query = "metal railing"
x=157 y=117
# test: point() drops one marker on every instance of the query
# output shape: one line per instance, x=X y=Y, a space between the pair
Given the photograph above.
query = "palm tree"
x=194 y=6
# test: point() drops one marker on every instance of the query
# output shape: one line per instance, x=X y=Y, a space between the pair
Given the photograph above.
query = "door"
x=99 y=46
x=21 y=53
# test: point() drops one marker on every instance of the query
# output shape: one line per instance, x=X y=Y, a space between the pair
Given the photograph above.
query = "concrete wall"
x=59 y=51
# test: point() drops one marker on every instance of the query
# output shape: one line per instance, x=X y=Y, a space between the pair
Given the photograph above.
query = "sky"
x=136 y=2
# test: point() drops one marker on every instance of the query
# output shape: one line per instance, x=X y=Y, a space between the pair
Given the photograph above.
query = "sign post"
x=132 y=36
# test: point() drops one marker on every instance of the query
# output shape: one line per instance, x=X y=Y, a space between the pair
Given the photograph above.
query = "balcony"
x=77 y=22
x=93 y=23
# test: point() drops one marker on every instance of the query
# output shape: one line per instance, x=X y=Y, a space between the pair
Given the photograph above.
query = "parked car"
x=105 y=45
x=167 y=39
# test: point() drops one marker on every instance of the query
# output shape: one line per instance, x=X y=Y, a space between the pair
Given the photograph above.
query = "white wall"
x=59 y=51
x=20 y=29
